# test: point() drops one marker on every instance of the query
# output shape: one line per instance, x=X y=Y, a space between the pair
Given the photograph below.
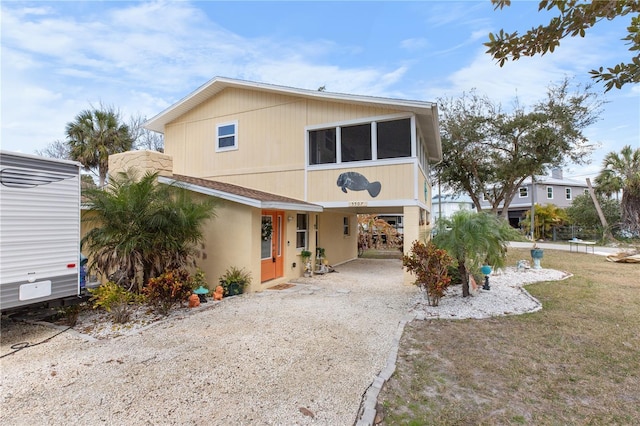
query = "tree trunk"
x=630 y=207
x=464 y=275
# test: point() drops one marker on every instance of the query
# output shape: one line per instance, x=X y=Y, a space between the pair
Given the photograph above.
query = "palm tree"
x=546 y=218
x=624 y=169
x=96 y=134
x=474 y=239
x=141 y=228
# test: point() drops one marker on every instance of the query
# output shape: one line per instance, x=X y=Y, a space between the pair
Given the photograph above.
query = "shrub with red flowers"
x=171 y=288
x=430 y=265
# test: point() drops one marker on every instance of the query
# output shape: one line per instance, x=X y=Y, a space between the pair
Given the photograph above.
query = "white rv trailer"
x=39 y=229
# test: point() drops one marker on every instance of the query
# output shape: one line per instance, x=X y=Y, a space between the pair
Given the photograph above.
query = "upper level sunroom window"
x=227 y=136
x=368 y=141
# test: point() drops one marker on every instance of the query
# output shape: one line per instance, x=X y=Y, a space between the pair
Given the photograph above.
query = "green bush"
x=114 y=299
x=429 y=264
x=234 y=281
x=171 y=288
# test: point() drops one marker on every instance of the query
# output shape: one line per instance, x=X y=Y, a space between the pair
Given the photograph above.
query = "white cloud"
x=413 y=44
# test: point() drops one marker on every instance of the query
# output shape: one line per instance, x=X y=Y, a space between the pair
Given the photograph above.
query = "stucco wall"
x=142 y=161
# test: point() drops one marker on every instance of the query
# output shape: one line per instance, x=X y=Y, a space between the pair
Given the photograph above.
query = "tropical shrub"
x=114 y=299
x=142 y=228
x=200 y=279
x=474 y=239
x=234 y=281
x=430 y=265
x=546 y=218
x=582 y=212
x=170 y=288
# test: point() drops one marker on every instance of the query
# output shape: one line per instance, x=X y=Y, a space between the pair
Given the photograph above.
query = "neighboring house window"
x=302 y=231
x=322 y=146
x=345 y=226
x=549 y=192
x=227 y=136
x=484 y=197
x=586 y=192
x=372 y=140
x=567 y=193
x=524 y=192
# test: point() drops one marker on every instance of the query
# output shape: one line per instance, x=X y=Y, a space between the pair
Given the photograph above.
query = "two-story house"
x=446 y=205
x=556 y=190
x=293 y=168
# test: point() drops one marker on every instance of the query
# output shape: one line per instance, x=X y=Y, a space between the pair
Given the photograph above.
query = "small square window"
x=524 y=192
x=226 y=136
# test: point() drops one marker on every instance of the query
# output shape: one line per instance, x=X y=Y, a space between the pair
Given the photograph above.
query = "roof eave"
x=217 y=84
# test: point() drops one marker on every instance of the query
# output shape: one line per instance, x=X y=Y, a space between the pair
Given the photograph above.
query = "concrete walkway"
x=600 y=250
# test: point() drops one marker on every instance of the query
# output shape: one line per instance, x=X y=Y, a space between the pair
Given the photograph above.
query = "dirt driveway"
x=300 y=356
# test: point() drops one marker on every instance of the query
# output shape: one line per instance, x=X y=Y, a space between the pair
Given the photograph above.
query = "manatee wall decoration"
x=356 y=182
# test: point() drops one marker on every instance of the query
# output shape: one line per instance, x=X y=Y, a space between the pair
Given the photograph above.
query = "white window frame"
x=549 y=192
x=305 y=232
x=346 y=226
x=568 y=194
x=235 y=136
x=526 y=192
x=374 y=147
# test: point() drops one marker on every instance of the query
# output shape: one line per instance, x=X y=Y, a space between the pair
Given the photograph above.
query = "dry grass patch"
x=575 y=362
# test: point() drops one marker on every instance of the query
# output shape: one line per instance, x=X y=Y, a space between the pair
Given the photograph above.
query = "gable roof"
x=240 y=194
x=426 y=112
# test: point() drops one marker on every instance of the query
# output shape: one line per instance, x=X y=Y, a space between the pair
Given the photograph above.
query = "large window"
x=355 y=142
x=368 y=141
x=302 y=231
x=227 y=136
x=322 y=146
x=394 y=138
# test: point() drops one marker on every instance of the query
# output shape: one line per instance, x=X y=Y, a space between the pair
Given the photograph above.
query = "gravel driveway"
x=299 y=356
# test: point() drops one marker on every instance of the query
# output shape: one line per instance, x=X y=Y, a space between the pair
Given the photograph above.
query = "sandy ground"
x=299 y=356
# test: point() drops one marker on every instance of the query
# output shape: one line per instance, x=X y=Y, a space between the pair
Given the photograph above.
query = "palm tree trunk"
x=630 y=207
x=464 y=275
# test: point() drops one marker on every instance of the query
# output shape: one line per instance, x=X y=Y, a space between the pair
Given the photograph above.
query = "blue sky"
x=59 y=58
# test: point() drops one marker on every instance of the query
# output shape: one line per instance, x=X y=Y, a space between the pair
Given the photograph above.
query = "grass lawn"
x=575 y=362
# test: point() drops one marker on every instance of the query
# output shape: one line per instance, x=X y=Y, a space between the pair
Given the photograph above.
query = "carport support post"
x=412 y=233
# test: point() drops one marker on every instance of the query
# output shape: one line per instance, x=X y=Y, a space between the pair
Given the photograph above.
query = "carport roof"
x=240 y=194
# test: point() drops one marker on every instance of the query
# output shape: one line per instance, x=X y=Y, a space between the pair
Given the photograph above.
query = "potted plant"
x=234 y=281
x=305 y=256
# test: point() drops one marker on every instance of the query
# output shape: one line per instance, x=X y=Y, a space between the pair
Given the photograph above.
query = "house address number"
x=357 y=204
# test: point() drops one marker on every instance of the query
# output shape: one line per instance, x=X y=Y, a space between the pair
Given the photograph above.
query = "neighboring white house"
x=447 y=204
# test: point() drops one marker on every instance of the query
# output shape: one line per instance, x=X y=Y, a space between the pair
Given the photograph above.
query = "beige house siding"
x=271 y=138
x=271 y=135
x=339 y=248
x=394 y=179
